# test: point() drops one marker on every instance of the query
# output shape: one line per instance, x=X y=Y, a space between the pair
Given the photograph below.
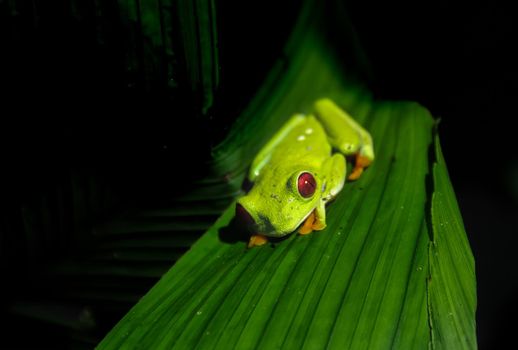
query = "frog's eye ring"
x=306 y=184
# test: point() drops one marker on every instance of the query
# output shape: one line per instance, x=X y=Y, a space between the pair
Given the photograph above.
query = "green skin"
x=303 y=144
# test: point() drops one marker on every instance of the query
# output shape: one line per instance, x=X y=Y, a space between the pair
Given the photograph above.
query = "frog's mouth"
x=263 y=225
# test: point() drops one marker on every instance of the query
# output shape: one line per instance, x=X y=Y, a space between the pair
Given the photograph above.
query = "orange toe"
x=355 y=175
x=360 y=163
x=257 y=240
x=307 y=227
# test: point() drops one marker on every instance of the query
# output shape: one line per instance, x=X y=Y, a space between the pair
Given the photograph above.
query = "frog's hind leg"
x=346 y=135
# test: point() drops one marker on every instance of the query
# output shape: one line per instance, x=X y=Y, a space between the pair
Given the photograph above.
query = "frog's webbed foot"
x=257 y=240
x=361 y=162
x=314 y=222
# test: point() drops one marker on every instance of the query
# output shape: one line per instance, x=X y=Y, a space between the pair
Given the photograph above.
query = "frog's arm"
x=265 y=153
x=335 y=170
x=333 y=182
x=345 y=134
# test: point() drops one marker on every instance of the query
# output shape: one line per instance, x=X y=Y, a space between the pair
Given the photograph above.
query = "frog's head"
x=280 y=200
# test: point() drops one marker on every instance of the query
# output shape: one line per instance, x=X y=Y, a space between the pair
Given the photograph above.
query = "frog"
x=300 y=170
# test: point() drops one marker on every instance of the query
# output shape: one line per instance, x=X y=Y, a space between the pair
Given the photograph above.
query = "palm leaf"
x=392 y=269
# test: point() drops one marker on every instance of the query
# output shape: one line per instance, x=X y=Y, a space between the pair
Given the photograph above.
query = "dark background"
x=456 y=59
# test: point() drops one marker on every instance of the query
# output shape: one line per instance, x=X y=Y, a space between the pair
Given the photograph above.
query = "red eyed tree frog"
x=296 y=173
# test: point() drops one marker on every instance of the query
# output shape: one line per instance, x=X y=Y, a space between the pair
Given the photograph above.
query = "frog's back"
x=306 y=142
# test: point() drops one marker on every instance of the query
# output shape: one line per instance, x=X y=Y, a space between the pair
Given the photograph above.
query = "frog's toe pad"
x=257 y=240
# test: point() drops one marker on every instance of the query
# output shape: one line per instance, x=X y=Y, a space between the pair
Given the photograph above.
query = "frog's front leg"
x=333 y=174
x=316 y=221
x=346 y=135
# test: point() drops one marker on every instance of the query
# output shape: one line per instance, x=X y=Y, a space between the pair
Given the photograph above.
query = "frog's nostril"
x=243 y=216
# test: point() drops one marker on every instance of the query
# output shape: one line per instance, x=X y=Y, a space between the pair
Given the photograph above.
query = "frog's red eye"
x=306 y=185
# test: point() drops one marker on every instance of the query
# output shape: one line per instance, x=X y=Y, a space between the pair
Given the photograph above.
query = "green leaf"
x=373 y=279
x=452 y=289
